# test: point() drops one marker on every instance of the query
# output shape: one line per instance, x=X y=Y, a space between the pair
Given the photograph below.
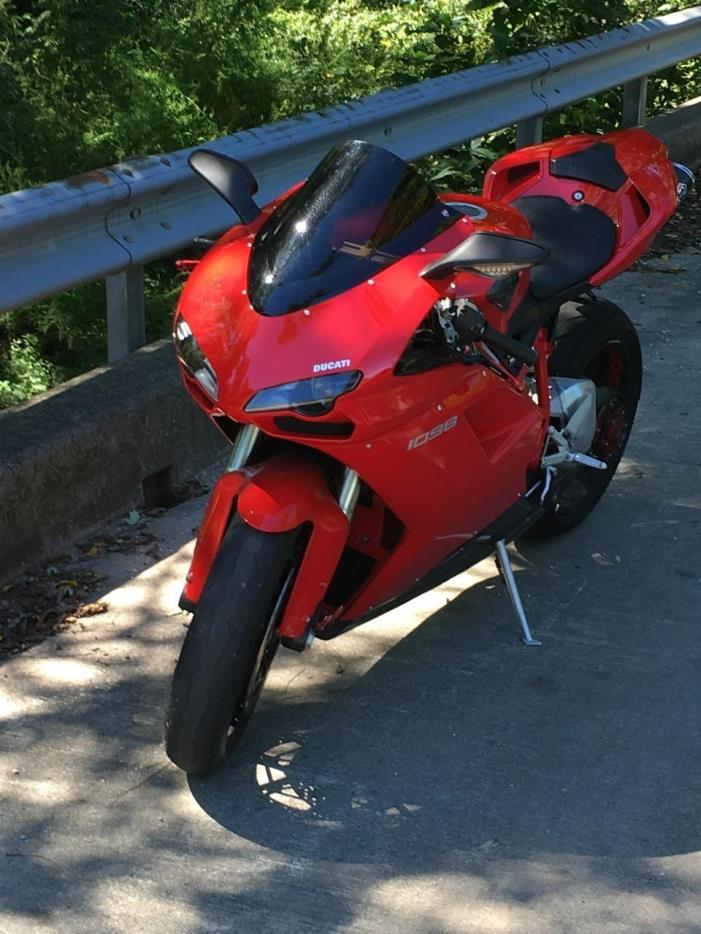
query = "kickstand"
x=504 y=565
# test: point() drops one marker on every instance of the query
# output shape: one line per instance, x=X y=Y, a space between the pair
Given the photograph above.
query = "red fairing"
x=646 y=200
x=370 y=324
x=493 y=428
x=442 y=452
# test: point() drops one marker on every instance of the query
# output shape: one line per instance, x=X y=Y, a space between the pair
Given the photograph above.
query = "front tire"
x=229 y=646
x=596 y=340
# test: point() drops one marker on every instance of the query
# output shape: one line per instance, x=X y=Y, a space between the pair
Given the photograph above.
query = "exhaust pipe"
x=685 y=180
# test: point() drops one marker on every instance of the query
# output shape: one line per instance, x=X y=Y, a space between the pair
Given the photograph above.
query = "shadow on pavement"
x=461 y=738
x=458 y=754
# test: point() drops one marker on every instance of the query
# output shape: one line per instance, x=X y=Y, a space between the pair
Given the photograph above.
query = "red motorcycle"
x=409 y=381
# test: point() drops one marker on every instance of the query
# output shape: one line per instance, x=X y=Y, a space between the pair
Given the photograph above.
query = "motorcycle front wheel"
x=229 y=646
x=596 y=340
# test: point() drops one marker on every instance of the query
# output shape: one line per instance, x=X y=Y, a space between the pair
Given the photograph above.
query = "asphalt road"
x=425 y=773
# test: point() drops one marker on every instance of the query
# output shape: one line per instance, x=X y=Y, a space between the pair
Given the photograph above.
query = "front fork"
x=348 y=495
x=243 y=448
x=347 y=499
x=285 y=492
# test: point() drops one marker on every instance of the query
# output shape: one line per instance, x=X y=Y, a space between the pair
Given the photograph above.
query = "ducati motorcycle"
x=408 y=380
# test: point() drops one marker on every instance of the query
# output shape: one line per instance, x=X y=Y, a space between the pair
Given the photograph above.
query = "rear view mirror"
x=230 y=178
x=497 y=256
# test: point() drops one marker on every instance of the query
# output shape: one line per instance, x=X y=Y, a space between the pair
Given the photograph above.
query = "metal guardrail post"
x=634 y=102
x=529 y=132
x=126 y=326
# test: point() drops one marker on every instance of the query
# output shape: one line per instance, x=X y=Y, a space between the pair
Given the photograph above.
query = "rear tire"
x=595 y=339
x=229 y=646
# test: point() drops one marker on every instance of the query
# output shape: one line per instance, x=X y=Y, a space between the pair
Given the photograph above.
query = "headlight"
x=314 y=396
x=192 y=358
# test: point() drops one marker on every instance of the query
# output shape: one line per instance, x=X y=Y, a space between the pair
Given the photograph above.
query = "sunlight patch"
x=275 y=787
x=289 y=798
x=42 y=792
x=282 y=749
x=65 y=670
x=11 y=707
x=267 y=773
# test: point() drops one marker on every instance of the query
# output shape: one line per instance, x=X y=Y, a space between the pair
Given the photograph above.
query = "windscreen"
x=361 y=210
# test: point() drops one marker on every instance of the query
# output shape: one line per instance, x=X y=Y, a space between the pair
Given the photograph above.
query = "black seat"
x=580 y=238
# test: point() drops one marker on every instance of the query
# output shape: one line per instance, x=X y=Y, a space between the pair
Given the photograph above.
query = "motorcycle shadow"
x=460 y=740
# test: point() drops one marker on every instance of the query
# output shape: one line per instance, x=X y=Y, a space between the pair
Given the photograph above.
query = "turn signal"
x=191 y=356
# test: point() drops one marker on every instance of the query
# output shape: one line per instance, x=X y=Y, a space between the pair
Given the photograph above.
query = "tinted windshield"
x=361 y=210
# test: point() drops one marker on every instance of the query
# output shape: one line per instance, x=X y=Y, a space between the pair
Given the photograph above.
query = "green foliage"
x=70 y=329
x=85 y=83
x=23 y=372
x=521 y=25
x=462 y=168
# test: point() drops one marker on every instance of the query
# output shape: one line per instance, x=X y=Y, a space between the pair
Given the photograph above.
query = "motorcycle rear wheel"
x=595 y=339
x=229 y=646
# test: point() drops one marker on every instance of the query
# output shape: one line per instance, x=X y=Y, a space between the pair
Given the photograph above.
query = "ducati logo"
x=331 y=365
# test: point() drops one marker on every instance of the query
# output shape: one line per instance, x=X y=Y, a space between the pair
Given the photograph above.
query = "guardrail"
x=110 y=222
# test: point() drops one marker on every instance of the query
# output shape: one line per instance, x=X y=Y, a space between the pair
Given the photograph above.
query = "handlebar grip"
x=514 y=348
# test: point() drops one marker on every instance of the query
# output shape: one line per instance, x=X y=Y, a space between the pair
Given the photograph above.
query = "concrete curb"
x=76 y=456
x=680 y=130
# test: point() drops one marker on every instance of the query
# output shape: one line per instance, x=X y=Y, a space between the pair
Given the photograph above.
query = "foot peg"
x=586 y=460
x=511 y=585
x=565 y=455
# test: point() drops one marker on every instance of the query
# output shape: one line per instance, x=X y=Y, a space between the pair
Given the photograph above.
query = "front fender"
x=278 y=495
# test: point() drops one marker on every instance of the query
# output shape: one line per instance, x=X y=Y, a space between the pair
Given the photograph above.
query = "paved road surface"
x=425 y=773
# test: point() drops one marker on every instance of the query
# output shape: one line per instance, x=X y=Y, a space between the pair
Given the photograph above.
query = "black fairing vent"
x=297 y=426
x=426 y=350
x=352 y=571
x=227 y=426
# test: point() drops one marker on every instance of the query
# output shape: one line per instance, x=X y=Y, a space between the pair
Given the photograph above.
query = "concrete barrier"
x=681 y=131
x=80 y=454
x=76 y=456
